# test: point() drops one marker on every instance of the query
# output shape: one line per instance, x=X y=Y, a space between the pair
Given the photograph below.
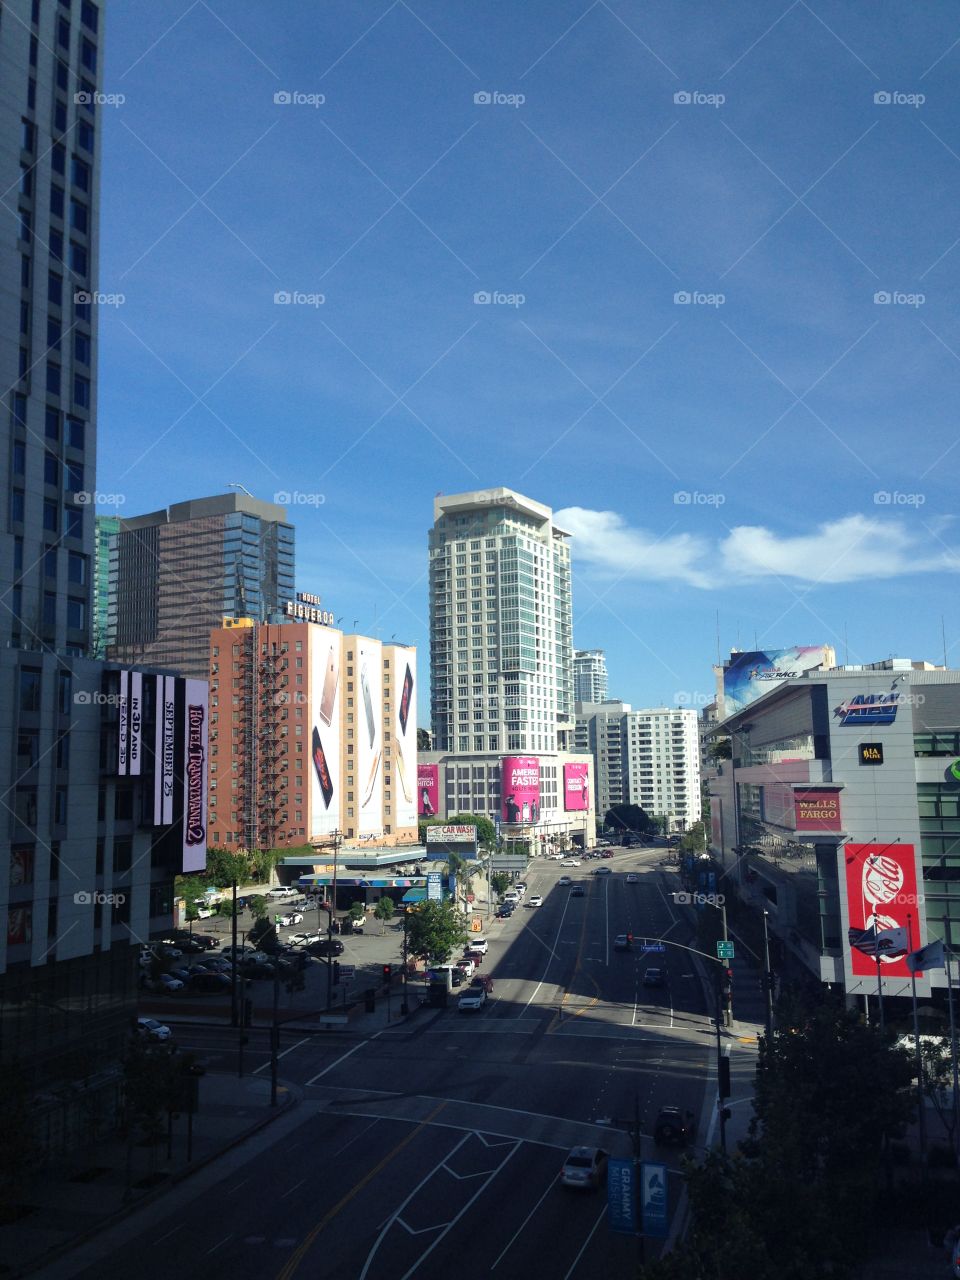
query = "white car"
x=152 y=1029
x=602 y=871
x=570 y=862
x=292 y=917
x=478 y=944
x=283 y=891
x=472 y=998
x=536 y=900
x=563 y=881
x=169 y=984
x=633 y=879
x=467 y=965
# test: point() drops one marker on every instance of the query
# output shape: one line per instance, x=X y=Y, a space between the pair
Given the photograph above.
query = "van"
x=447 y=973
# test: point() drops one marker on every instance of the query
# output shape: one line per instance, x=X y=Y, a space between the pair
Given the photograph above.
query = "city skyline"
x=695 y=339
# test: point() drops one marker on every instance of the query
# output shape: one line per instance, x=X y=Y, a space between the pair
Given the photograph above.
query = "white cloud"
x=850 y=549
x=604 y=540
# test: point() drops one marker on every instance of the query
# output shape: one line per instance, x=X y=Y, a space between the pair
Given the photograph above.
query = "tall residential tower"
x=589 y=676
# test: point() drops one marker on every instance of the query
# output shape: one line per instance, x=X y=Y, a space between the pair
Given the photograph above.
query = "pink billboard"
x=428 y=790
x=520 y=789
x=576 y=786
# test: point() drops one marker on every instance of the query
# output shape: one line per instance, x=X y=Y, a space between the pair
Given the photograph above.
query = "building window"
x=81 y=391
x=55 y=289
x=80 y=174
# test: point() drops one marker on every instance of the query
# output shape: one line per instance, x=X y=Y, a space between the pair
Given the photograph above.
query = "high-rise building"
x=589 y=675
x=176 y=574
x=319 y=737
x=601 y=732
x=501 y=650
x=92 y=759
x=106 y=527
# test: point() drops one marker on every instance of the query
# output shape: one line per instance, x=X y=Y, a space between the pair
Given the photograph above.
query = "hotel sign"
x=306 y=607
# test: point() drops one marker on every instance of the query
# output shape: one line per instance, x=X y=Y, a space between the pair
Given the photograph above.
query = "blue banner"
x=653 y=1199
x=622 y=1196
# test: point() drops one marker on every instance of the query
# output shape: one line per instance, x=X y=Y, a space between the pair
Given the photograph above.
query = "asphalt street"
x=433 y=1146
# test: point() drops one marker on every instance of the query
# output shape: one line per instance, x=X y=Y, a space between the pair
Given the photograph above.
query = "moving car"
x=576 y=891
x=564 y=881
x=607 y=853
x=673 y=1128
x=570 y=862
x=602 y=871
x=654 y=977
x=292 y=917
x=304 y=939
x=585 y=1167
x=633 y=878
x=622 y=942
x=473 y=998
x=151 y=1029
x=504 y=912
x=536 y=900
x=326 y=947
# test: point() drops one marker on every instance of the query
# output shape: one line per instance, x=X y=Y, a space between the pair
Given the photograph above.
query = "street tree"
x=258 y=907
x=695 y=839
x=384 y=910
x=500 y=882
x=627 y=817
x=435 y=930
x=224 y=867
x=357 y=913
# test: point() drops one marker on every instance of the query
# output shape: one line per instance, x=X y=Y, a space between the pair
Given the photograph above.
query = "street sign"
x=434 y=887
x=622 y=1196
x=653 y=1199
x=505 y=863
x=476 y=925
x=347 y=972
x=647 y=945
x=724 y=950
x=452 y=833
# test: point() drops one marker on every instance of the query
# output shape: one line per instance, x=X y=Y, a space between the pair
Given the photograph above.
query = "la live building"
x=839 y=811
x=501 y=669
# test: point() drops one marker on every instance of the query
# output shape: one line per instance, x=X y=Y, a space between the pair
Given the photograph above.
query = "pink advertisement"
x=576 y=786
x=428 y=790
x=520 y=789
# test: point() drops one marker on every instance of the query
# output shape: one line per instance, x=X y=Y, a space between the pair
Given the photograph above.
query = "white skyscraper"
x=589 y=675
x=501 y=648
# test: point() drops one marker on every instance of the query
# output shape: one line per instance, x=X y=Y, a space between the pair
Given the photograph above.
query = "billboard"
x=520 y=789
x=452 y=833
x=576 y=786
x=869 y=709
x=749 y=676
x=195 y=774
x=325 y=648
x=123 y=722
x=135 y=752
x=405 y=738
x=428 y=790
x=164 y=751
x=369 y=737
x=817 y=810
x=881 y=882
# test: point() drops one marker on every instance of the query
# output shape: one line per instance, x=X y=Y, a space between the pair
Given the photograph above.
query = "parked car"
x=477 y=944
x=241 y=949
x=536 y=900
x=504 y=912
x=291 y=918
x=182 y=974
x=283 y=891
x=151 y=1029
x=258 y=970
x=467 y=965
x=475 y=956
x=168 y=952
x=483 y=980
x=473 y=998
x=213 y=983
x=585 y=1167
x=165 y=983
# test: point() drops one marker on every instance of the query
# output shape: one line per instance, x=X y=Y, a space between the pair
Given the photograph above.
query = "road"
x=434 y=1146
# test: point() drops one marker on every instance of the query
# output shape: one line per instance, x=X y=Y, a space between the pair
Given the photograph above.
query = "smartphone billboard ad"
x=326 y=651
x=428 y=790
x=404 y=677
x=576 y=786
x=520 y=789
x=196 y=695
x=368 y=737
x=882 y=902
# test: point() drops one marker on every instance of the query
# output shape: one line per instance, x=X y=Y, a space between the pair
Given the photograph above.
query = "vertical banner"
x=576 y=786
x=653 y=1199
x=135 y=752
x=622 y=1196
x=195 y=775
x=368 y=758
x=405 y=737
x=428 y=790
x=123 y=702
x=169 y=747
x=881 y=882
x=160 y=683
x=325 y=648
x=520 y=789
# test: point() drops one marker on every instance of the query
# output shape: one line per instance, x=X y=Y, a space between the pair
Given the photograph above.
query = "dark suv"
x=674 y=1127
x=326 y=947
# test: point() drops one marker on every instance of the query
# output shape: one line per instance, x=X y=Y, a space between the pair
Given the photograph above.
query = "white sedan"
x=536 y=900
x=570 y=862
x=633 y=879
x=292 y=917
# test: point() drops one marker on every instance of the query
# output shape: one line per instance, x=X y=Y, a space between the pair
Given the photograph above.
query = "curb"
x=294 y=1098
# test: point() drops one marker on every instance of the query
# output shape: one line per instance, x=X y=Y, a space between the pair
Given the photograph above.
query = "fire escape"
x=272 y=731
x=246 y=671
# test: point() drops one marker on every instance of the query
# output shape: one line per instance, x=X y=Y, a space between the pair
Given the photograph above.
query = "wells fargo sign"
x=817 y=810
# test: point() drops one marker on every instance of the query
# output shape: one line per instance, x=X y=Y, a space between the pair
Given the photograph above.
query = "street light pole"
x=234 y=1019
x=767 y=977
x=330 y=914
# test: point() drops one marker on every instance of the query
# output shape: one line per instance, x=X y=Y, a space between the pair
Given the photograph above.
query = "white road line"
x=343 y=1057
x=550 y=959
x=305 y=1040
x=178 y=1227
x=293 y=1189
x=509 y=1243
x=573 y=1265
x=220 y=1245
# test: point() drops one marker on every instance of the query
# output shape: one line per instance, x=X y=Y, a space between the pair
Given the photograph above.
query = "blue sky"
x=689 y=218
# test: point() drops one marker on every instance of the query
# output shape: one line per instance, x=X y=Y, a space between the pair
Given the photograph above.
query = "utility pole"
x=234 y=1011
x=720 y=1074
x=767 y=977
x=330 y=915
x=275 y=1033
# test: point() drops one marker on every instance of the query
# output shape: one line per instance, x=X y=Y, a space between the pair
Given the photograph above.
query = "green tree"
x=721 y=749
x=423 y=740
x=435 y=930
x=627 y=817
x=258 y=907
x=223 y=867
x=694 y=840
x=357 y=913
x=152 y=1087
x=263 y=862
x=384 y=910
x=500 y=883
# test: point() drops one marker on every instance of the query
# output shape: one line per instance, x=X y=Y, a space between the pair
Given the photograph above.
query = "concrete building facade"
x=589 y=675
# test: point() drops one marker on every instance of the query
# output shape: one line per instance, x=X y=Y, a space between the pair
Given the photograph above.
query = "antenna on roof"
x=232 y=484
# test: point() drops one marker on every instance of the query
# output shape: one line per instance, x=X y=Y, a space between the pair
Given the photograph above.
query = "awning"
x=414 y=895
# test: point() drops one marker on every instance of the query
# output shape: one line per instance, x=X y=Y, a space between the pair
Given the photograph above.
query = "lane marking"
x=293 y=1189
x=220 y=1245
x=573 y=1265
x=343 y=1057
x=297 y=1257
x=305 y=1040
x=178 y=1227
x=509 y=1243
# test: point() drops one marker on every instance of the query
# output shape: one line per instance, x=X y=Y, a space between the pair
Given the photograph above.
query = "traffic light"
x=336 y=972
x=387 y=974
